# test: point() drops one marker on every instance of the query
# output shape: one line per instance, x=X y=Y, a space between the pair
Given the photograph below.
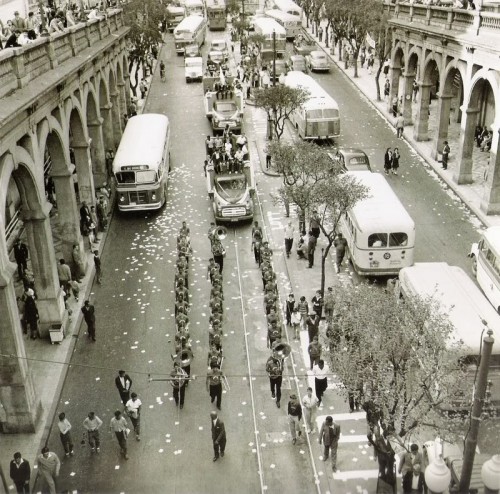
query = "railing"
x=19 y=66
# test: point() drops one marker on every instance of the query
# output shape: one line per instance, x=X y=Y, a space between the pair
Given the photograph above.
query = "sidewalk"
x=470 y=195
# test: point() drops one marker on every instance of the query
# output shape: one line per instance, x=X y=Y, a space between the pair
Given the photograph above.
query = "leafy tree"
x=279 y=102
x=382 y=35
x=396 y=359
x=311 y=180
x=337 y=14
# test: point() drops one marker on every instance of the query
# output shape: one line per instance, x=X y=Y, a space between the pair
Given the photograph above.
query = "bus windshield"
x=144 y=177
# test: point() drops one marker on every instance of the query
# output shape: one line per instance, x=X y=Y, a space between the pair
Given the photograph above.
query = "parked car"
x=297 y=62
x=304 y=46
x=317 y=61
x=351 y=159
x=193 y=69
x=219 y=45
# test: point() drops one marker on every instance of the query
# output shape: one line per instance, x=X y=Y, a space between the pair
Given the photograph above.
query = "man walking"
x=21 y=257
x=31 y=315
x=311 y=247
x=445 y=154
x=65 y=434
x=20 y=473
x=123 y=383
x=294 y=417
x=97 y=263
x=400 y=125
x=214 y=384
x=320 y=380
x=218 y=436
x=274 y=368
x=340 y=244
x=329 y=304
x=92 y=423
x=309 y=407
x=179 y=379
x=289 y=234
x=314 y=224
x=89 y=316
x=329 y=435
x=133 y=407
x=119 y=426
x=49 y=466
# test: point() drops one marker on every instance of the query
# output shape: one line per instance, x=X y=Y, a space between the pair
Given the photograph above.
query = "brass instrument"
x=220 y=232
x=282 y=350
x=183 y=358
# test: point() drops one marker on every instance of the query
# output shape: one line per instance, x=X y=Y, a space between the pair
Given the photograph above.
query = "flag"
x=222 y=79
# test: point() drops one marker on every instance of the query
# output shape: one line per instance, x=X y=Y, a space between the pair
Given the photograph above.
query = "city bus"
x=379 y=231
x=142 y=163
x=191 y=31
x=318 y=117
x=274 y=39
x=466 y=308
x=288 y=6
x=174 y=15
x=216 y=14
x=194 y=7
x=291 y=23
x=486 y=264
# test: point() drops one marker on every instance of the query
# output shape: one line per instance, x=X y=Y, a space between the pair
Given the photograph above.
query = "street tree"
x=279 y=102
x=337 y=14
x=382 y=36
x=397 y=359
x=312 y=181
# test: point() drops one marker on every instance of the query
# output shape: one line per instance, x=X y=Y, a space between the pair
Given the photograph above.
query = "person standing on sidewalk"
x=387 y=88
x=123 y=383
x=89 y=316
x=289 y=234
x=309 y=406
x=31 y=315
x=20 y=473
x=314 y=350
x=311 y=247
x=294 y=417
x=320 y=34
x=290 y=305
x=133 y=407
x=303 y=308
x=119 y=426
x=21 y=257
x=320 y=380
x=314 y=224
x=340 y=244
x=92 y=423
x=329 y=435
x=65 y=434
x=445 y=154
x=49 y=466
x=295 y=320
x=317 y=303
x=400 y=125
x=395 y=161
x=329 y=304
x=387 y=160
x=97 y=263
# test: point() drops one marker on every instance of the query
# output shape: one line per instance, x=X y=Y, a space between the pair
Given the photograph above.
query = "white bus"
x=466 y=308
x=275 y=37
x=194 y=7
x=190 y=31
x=486 y=264
x=174 y=15
x=288 y=6
x=291 y=23
x=318 y=117
x=379 y=231
x=216 y=14
x=142 y=163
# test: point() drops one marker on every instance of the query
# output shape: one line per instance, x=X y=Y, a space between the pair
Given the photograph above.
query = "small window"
x=125 y=177
x=377 y=240
x=146 y=177
x=399 y=239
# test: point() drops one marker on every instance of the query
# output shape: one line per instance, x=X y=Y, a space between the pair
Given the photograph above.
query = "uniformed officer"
x=214 y=356
x=273 y=335
x=274 y=368
x=179 y=379
x=214 y=384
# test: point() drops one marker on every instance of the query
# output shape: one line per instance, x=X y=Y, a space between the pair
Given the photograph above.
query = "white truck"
x=193 y=69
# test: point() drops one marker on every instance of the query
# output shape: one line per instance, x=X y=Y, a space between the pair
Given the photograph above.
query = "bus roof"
x=282 y=16
x=492 y=236
x=266 y=26
x=287 y=5
x=318 y=97
x=459 y=297
x=216 y=4
x=382 y=210
x=144 y=137
x=189 y=23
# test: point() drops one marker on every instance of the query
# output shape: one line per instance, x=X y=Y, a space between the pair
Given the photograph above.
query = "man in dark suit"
x=329 y=436
x=218 y=436
x=123 y=383
x=20 y=473
x=414 y=481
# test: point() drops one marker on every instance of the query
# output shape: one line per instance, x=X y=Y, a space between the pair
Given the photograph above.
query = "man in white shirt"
x=65 y=434
x=133 y=407
x=119 y=426
x=320 y=379
x=289 y=234
x=92 y=423
x=309 y=407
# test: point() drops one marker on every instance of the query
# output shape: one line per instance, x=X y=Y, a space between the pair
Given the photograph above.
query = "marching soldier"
x=218 y=252
x=214 y=384
x=178 y=382
x=269 y=301
x=274 y=368
x=212 y=269
x=214 y=356
x=266 y=252
x=215 y=332
x=273 y=335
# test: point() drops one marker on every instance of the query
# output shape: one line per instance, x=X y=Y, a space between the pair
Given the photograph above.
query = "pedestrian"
x=312 y=326
x=143 y=89
x=329 y=435
x=387 y=160
x=179 y=378
x=162 y=71
x=274 y=369
x=311 y=247
x=445 y=154
x=218 y=436
x=296 y=323
x=64 y=274
x=102 y=215
x=410 y=459
x=400 y=125
x=387 y=88
x=31 y=315
x=268 y=160
x=89 y=316
x=294 y=417
x=386 y=67
x=414 y=481
x=290 y=305
x=340 y=244
x=329 y=304
x=317 y=303
x=49 y=465
x=394 y=106
x=218 y=252
x=133 y=408
x=20 y=473
x=97 y=264
x=214 y=384
x=320 y=34
x=415 y=89
x=119 y=426
x=91 y=424
x=93 y=237
x=314 y=350
x=395 y=161
x=320 y=380
x=303 y=246
x=309 y=407
x=314 y=224
x=123 y=383
x=21 y=257
x=65 y=434
x=289 y=234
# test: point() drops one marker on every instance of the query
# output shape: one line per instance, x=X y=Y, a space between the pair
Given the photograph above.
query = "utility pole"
x=477 y=407
x=274 y=58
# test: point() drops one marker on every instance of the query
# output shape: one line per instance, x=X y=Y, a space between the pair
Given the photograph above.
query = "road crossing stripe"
x=339 y=417
x=355 y=474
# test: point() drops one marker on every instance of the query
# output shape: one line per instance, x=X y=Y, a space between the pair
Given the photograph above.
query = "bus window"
x=145 y=177
x=330 y=113
x=377 y=240
x=314 y=113
x=399 y=239
x=126 y=177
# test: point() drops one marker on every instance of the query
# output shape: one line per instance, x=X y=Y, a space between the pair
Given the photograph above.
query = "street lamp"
x=490 y=473
x=274 y=57
x=437 y=476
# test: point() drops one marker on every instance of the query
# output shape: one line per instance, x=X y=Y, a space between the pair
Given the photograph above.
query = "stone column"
x=124 y=103
x=490 y=202
x=107 y=127
x=117 y=118
x=20 y=408
x=421 y=132
x=463 y=171
x=443 y=123
x=43 y=261
x=69 y=217
x=407 y=98
x=84 y=171
x=97 y=152
x=394 y=81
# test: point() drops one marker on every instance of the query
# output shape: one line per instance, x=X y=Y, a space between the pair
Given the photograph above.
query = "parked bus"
x=318 y=117
x=194 y=7
x=291 y=23
x=191 y=31
x=486 y=264
x=216 y=14
x=174 y=15
x=466 y=308
x=269 y=28
x=288 y=6
x=142 y=163
x=379 y=231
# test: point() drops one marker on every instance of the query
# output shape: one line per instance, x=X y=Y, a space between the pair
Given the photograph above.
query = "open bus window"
x=377 y=240
x=125 y=177
x=493 y=261
x=398 y=239
x=145 y=177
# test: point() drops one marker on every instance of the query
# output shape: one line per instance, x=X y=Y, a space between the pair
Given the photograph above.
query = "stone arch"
x=50 y=135
x=397 y=65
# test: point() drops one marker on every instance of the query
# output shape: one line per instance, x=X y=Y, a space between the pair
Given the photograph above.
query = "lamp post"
x=490 y=474
x=437 y=476
x=274 y=58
